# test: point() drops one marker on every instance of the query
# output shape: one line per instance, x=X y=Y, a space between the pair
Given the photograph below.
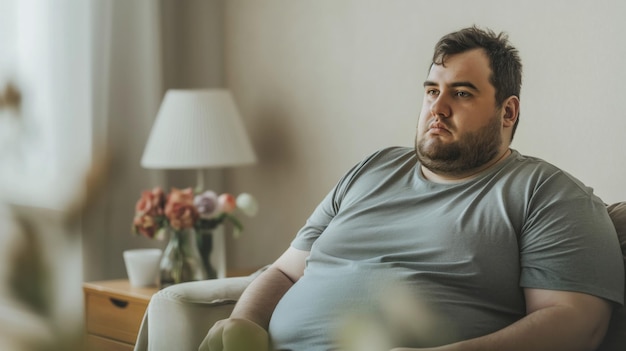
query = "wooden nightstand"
x=114 y=311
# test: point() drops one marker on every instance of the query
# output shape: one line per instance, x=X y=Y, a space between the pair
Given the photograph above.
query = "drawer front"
x=97 y=343
x=113 y=318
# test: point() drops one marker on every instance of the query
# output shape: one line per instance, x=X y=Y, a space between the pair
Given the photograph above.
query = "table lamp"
x=197 y=129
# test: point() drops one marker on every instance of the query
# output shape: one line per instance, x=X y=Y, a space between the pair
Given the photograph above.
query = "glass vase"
x=181 y=261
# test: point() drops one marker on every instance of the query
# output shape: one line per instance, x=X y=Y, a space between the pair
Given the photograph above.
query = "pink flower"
x=145 y=225
x=179 y=209
x=151 y=202
x=149 y=206
x=226 y=203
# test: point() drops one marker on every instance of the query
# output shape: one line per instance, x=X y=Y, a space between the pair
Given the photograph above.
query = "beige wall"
x=322 y=83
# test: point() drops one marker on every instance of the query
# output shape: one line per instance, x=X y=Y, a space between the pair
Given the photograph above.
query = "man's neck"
x=449 y=178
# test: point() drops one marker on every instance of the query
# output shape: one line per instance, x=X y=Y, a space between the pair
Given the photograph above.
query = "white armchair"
x=179 y=316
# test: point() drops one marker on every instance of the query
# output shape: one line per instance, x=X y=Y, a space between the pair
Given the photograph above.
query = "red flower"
x=151 y=202
x=180 y=210
x=145 y=225
x=148 y=209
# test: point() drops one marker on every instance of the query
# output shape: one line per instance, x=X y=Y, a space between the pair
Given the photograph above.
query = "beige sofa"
x=178 y=317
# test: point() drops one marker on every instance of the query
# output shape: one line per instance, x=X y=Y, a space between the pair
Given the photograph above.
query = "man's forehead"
x=471 y=66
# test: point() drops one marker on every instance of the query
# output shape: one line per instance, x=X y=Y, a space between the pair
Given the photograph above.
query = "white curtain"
x=128 y=88
x=90 y=75
x=45 y=57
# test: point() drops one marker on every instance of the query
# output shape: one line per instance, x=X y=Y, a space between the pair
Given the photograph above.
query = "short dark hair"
x=504 y=60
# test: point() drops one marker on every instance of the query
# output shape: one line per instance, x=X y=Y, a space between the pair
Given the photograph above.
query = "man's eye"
x=463 y=94
x=432 y=92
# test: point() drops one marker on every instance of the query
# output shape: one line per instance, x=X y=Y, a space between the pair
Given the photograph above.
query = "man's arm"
x=555 y=321
x=246 y=329
x=258 y=301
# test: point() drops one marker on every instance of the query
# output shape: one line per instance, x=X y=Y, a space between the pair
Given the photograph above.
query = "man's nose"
x=440 y=107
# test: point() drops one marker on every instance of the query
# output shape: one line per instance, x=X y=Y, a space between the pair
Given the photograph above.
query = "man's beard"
x=471 y=151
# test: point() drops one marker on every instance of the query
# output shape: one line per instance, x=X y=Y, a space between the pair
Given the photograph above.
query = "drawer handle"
x=119 y=303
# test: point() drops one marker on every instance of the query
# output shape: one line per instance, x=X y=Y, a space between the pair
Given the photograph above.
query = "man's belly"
x=312 y=313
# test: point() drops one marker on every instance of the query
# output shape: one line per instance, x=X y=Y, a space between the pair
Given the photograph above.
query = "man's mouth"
x=438 y=128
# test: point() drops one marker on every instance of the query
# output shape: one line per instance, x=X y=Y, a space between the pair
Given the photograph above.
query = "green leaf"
x=236 y=223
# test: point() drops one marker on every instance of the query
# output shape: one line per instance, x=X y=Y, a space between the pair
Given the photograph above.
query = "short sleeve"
x=569 y=242
x=328 y=208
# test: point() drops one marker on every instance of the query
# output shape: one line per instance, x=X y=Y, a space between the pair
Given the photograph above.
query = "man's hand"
x=236 y=335
x=246 y=329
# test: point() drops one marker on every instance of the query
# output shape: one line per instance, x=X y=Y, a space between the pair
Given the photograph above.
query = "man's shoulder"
x=533 y=161
x=541 y=173
x=379 y=165
x=532 y=164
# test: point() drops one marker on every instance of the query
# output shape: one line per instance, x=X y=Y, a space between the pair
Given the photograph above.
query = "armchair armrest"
x=179 y=316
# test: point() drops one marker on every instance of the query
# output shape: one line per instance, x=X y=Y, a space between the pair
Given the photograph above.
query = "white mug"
x=142 y=266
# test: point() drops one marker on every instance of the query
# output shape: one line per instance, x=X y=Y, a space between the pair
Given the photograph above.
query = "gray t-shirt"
x=466 y=250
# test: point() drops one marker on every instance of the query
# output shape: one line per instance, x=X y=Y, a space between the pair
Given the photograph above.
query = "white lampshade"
x=197 y=129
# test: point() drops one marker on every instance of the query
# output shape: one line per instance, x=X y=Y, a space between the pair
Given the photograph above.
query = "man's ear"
x=510 y=110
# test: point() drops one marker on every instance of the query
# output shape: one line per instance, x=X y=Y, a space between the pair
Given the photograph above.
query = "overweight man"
x=507 y=251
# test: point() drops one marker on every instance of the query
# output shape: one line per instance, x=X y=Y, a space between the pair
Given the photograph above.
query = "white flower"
x=247 y=204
